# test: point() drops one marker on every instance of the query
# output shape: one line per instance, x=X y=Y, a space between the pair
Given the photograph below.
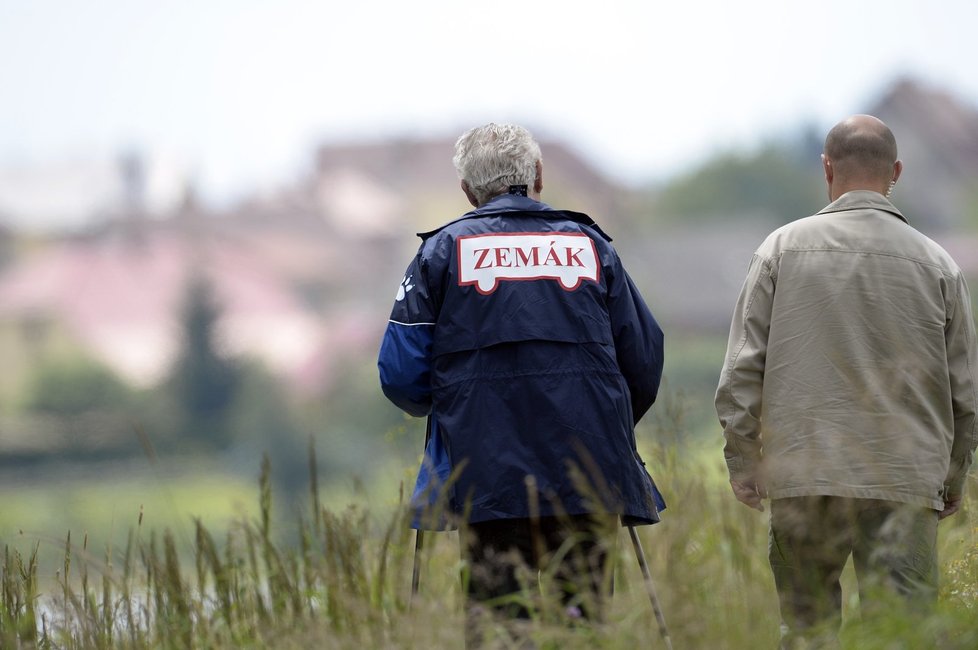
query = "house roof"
x=122 y=298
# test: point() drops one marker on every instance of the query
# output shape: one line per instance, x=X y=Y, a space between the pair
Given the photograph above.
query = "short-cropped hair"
x=860 y=150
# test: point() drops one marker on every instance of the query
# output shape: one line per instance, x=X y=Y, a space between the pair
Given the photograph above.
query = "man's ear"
x=469 y=195
x=538 y=181
x=897 y=170
x=827 y=168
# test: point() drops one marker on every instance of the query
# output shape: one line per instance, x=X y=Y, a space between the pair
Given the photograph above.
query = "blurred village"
x=146 y=324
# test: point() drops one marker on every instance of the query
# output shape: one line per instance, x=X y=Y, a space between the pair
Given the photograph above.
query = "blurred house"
x=420 y=174
x=306 y=274
x=937 y=136
x=75 y=194
x=118 y=298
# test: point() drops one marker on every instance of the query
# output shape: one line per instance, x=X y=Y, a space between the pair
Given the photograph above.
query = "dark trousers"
x=893 y=547
x=509 y=560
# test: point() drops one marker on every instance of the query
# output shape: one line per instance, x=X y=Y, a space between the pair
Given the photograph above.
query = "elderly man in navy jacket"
x=518 y=332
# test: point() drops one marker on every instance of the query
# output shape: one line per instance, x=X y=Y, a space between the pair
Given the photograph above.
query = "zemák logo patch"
x=487 y=260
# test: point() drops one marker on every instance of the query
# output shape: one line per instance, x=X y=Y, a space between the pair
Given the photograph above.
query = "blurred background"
x=206 y=209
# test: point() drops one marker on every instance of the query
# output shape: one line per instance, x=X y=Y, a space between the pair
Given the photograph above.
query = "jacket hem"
x=858 y=493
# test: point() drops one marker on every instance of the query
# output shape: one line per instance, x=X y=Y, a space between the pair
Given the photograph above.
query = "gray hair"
x=490 y=158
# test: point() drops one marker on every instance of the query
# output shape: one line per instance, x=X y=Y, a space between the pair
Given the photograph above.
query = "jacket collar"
x=508 y=203
x=861 y=200
x=514 y=203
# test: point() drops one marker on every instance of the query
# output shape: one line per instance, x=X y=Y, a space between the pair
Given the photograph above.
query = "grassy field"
x=202 y=560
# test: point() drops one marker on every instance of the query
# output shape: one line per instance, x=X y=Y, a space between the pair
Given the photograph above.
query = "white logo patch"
x=403 y=288
x=487 y=260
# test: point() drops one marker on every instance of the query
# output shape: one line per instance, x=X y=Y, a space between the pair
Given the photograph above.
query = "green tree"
x=203 y=381
x=265 y=425
x=780 y=182
x=70 y=387
x=74 y=407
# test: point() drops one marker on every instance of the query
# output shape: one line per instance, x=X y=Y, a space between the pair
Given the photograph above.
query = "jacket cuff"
x=742 y=471
x=956 y=476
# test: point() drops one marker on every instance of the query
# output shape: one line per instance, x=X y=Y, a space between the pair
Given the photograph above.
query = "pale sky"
x=241 y=91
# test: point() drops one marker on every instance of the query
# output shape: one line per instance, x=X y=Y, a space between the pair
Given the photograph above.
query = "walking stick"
x=416 y=571
x=419 y=534
x=649 y=587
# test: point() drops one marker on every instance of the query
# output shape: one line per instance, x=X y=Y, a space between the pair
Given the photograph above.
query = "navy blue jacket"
x=518 y=331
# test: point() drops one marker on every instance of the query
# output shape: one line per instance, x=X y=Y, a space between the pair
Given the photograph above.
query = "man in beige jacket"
x=848 y=395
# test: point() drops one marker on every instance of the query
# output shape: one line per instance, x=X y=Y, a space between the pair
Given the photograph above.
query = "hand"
x=749 y=495
x=951 y=505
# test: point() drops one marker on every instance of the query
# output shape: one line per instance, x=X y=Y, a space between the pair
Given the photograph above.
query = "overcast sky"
x=240 y=91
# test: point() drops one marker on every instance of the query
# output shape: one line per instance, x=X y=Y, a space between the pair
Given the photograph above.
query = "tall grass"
x=341 y=579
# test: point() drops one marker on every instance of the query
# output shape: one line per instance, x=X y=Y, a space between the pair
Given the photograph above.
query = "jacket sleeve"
x=738 y=397
x=404 y=361
x=962 y=357
x=638 y=340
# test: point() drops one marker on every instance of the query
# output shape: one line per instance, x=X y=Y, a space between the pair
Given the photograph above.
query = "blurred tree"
x=70 y=387
x=72 y=408
x=970 y=217
x=356 y=425
x=8 y=243
x=203 y=381
x=780 y=182
x=264 y=423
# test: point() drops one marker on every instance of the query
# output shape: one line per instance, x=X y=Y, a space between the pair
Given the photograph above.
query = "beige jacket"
x=851 y=364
